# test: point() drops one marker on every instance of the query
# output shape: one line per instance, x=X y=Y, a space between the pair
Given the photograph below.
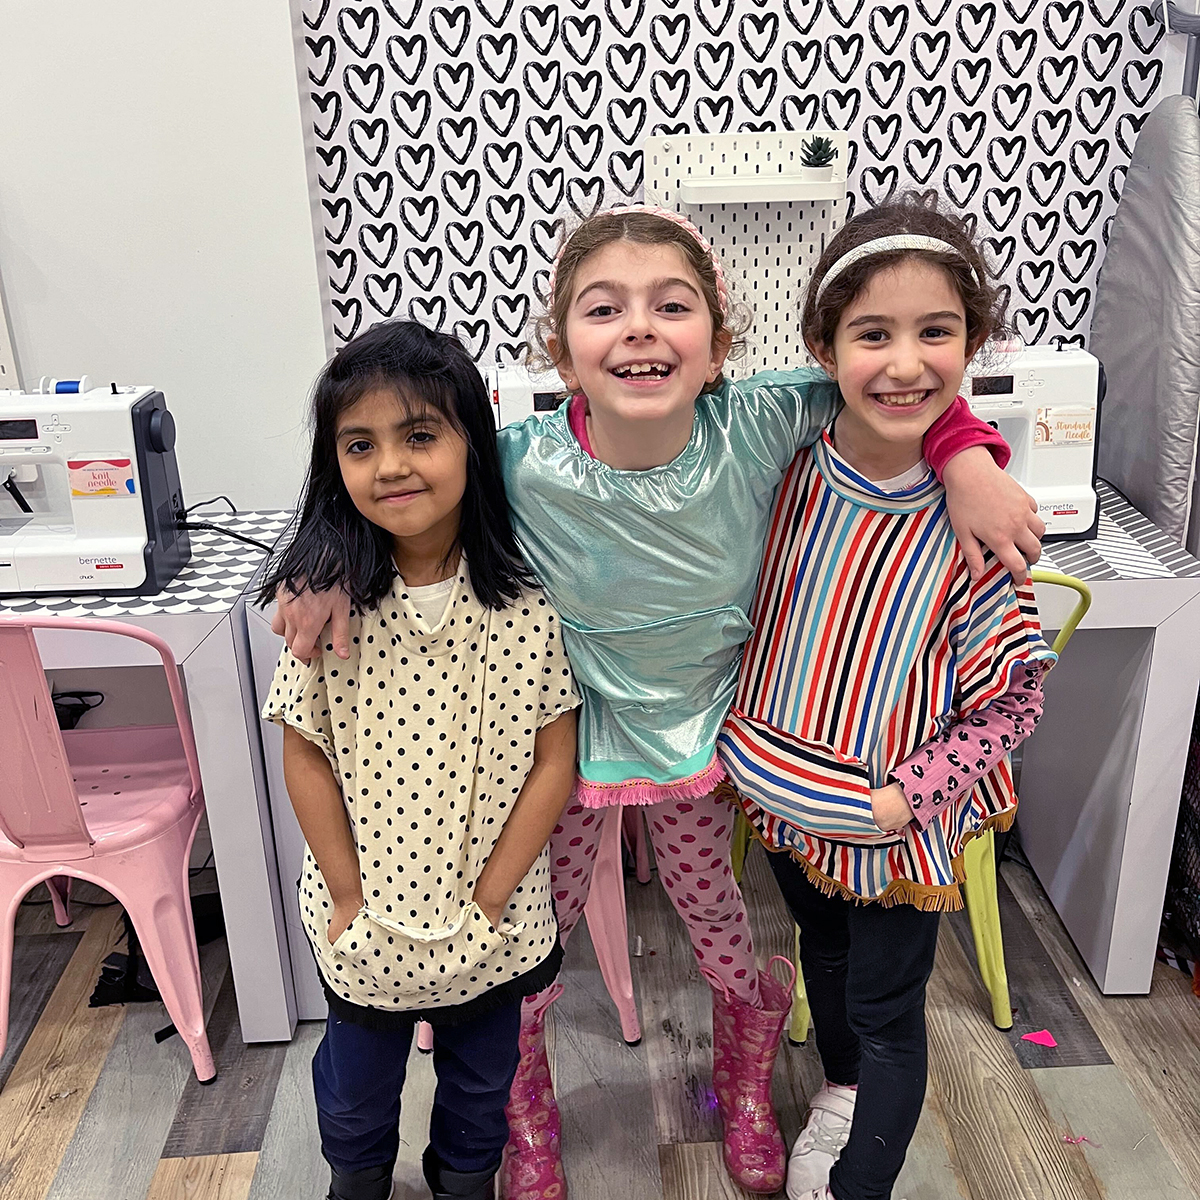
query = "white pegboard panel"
x=769 y=247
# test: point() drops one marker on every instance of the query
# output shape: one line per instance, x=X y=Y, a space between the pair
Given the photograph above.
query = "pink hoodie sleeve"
x=936 y=773
x=958 y=429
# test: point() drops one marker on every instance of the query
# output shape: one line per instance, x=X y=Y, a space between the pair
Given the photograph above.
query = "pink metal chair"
x=141 y=787
x=607 y=922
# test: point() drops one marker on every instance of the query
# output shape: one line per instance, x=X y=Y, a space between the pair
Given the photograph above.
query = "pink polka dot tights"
x=691 y=848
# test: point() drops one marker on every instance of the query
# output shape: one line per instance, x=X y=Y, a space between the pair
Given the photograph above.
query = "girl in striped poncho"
x=883 y=689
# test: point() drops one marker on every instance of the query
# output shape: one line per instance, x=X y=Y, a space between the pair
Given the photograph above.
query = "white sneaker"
x=821 y=1141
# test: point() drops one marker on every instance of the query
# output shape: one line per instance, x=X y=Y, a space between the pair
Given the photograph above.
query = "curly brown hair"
x=984 y=303
x=643 y=229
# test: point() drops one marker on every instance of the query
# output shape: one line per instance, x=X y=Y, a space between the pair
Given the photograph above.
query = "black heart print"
x=757 y=34
x=500 y=109
x=887 y=27
x=508 y=264
x=626 y=64
x=450 y=28
x=340 y=213
x=429 y=312
x=1056 y=76
x=580 y=37
x=505 y=214
x=438 y=123
x=383 y=291
x=669 y=35
x=496 y=55
x=975 y=23
x=1005 y=155
x=625 y=171
x=359 y=29
x=329 y=110
x=464 y=240
x=714 y=15
x=502 y=161
x=323 y=52
x=374 y=192
x=343 y=268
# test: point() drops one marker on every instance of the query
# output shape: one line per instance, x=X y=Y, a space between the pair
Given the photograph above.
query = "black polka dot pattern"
x=429 y=730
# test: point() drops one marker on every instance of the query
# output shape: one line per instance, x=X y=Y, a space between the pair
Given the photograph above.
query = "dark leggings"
x=358 y=1075
x=865 y=969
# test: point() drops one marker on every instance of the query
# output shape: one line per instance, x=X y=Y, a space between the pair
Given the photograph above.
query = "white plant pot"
x=817 y=174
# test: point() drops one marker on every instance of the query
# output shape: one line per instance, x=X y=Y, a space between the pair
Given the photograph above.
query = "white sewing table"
x=1102 y=777
x=201 y=616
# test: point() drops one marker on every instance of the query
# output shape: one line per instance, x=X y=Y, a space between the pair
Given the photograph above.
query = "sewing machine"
x=90 y=499
x=1046 y=403
x=518 y=393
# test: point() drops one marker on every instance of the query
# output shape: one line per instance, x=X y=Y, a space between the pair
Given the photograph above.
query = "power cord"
x=203 y=526
x=206 y=503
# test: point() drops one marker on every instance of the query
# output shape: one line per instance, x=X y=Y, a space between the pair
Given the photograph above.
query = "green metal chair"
x=979 y=861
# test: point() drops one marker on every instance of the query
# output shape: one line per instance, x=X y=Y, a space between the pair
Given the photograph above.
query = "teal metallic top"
x=653 y=574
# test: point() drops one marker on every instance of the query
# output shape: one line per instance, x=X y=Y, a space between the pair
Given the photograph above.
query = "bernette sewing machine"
x=90 y=499
x=1045 y=401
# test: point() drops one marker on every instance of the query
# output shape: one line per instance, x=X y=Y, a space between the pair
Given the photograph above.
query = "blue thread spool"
x=64 y=387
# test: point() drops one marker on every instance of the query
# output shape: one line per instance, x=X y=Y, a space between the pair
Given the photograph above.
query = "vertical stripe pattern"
x=870 y=640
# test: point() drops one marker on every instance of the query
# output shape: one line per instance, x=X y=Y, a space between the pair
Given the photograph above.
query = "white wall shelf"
x=772 y=189
x=744 y=193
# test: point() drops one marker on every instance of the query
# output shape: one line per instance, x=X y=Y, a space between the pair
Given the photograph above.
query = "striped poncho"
x=870 y=642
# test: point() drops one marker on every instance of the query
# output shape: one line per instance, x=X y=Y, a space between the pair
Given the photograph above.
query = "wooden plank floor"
x=93 y=1109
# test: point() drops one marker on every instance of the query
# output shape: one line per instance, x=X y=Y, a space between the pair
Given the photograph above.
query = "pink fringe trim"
x=646 y=791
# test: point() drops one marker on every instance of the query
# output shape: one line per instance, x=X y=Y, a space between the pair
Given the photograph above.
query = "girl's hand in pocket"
x=493 y=912
x=890 y=808
x=343 y=913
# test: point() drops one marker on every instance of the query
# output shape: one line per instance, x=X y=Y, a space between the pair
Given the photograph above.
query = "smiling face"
x=899 y=356
x=404 y=467
x=638 y=334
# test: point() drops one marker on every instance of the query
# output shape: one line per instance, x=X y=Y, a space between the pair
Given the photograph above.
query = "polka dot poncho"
x=430 y=734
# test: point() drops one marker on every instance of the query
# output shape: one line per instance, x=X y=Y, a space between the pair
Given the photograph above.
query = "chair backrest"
x=1082 y=604
x=39 y=806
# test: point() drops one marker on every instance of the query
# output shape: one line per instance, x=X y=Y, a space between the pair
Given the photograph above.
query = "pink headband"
x=675 y=218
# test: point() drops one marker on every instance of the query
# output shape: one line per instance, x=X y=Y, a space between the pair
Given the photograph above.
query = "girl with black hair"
x=427 y=770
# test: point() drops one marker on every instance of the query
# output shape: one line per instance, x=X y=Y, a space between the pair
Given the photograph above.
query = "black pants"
x=358 y=1074
x=865 y=969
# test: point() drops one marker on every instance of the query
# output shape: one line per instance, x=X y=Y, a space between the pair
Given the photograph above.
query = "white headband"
x=883 y=245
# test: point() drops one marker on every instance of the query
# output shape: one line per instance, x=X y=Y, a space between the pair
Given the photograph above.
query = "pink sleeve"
x=934 y=774
x=577 y=419
x=958 y=429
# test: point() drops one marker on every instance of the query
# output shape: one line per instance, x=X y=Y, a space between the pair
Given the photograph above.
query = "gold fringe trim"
x=923 y=896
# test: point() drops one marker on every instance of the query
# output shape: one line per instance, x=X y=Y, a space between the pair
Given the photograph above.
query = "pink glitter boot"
x=532 y=1166
x=745 y=1041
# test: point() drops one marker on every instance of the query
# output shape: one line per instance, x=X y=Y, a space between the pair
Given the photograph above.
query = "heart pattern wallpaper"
x=452 y=142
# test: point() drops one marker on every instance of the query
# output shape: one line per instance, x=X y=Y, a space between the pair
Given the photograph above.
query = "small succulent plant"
x=816 y=151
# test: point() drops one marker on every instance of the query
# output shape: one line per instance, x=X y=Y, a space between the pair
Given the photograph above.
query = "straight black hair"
x=333 y=544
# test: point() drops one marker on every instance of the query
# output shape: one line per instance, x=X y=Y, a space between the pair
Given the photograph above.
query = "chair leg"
x=801 y=1013
x=59 y=887
x=633 y=824
x=983 y=907
x=8 y=920
x=739 y=847
x=609 y=927
x=160 y=909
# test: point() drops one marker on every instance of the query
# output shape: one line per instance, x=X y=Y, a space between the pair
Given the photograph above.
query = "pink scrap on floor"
x=1042 y=1038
